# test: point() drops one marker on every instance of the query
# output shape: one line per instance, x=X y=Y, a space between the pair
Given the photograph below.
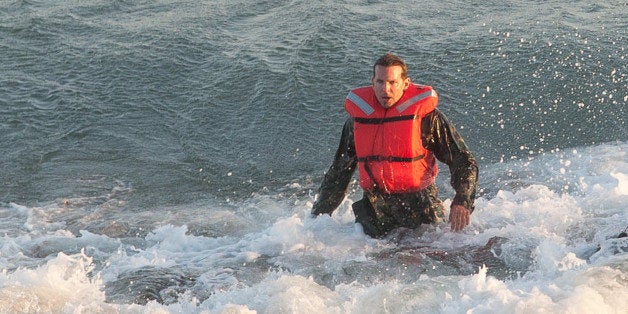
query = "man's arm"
x=440 y=137
x=336 y=181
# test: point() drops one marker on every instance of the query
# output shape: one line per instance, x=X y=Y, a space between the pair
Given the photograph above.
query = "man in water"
x=394 y=136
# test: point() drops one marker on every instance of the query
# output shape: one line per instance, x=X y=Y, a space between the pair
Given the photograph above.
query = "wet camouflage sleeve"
x=336 y=181
x=441 y=138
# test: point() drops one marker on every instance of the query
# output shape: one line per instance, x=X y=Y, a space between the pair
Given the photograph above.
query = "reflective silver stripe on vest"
x=406 y=104
x=360 y=103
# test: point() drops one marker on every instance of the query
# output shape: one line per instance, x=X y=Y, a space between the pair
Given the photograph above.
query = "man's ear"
x=406 y=83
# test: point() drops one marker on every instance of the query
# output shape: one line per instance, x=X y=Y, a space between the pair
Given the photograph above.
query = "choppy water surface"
x=163 y=156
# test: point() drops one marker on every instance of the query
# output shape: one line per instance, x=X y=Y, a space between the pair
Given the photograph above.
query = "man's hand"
x=459 y=217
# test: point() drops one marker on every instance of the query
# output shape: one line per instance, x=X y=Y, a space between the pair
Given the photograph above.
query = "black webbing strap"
x=389 y=158
x=384 y=120
x=374 y=196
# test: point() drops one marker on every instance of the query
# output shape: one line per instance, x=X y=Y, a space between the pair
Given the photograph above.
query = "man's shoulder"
x=433 y=114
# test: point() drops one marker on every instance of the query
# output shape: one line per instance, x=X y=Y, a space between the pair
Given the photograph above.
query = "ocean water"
x=163 y=156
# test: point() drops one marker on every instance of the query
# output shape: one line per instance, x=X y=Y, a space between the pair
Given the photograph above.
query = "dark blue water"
x=151 y=93
x=144 y=112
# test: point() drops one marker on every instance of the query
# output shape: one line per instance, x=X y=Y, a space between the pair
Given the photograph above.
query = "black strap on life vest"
x=370 y=174
x=365 y=161
x=389 y=158
x=385 y=120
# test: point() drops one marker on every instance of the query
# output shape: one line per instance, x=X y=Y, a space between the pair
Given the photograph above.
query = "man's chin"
x=385 y=103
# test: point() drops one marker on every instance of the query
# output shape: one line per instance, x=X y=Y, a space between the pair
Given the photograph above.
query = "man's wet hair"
x=389 y=60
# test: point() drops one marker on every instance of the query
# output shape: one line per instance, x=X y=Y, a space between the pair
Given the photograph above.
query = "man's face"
x=389 y=85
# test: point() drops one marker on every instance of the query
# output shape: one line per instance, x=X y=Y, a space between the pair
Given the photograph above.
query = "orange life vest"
x=391 y=156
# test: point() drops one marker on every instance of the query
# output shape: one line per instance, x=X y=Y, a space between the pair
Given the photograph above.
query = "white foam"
x=562 y=244
x=60 y=285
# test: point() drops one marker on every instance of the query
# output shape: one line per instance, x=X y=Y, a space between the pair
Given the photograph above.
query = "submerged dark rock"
x=148 y=283
x=504 y=258
x=460 y=261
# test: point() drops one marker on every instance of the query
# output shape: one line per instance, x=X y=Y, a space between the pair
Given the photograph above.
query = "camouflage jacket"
x=439 y=137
